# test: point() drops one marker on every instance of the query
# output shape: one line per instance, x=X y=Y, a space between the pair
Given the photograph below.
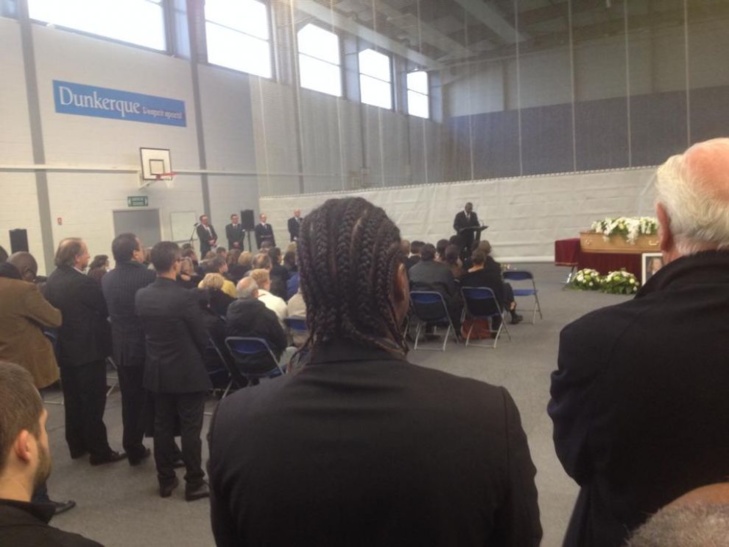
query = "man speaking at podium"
x=464 y=225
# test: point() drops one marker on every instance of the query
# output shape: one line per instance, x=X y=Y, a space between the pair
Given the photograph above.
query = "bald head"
x=693 y=200
x=26 y=264
x=247 y=289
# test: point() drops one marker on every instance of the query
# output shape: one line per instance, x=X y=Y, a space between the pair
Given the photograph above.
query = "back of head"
x=247 y=289
x=405 y=246
x=427 y=253
x=123 y=247
x=416 y=247
x=261 y=277
x=478 y=257
x=68 y=250
x=164 y=255
x=274 y=253
x=233 y=256
x=20 y=407
x=99 y=261
x=698 y=524
x=212 y=281
x=693 y=187
x=451 y=254
x=214 y=265
x=289 y=259
x=245 y=259
x=349 y=257
x=485 y=247
x=261 y=261
x=3 y=254
x=440 y=247
x=25 y=263
x=9 y=271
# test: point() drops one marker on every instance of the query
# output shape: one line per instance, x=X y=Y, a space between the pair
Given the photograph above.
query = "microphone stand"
x=192 y=235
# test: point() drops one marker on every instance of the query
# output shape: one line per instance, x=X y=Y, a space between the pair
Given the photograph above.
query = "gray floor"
x=118 y=505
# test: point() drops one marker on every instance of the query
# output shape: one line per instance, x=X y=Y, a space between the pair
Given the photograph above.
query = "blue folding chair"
x=253 y=357
x=525 y=276
x=429 y=308
x=481 y=303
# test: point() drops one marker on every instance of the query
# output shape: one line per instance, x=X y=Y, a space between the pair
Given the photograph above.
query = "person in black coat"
x=120 y=286
x=295 y=224
x=639 y=400
x=235 y=233
x=84 y=343
x=174 y=370
x=248 y=316
x=207 y=236
x=464 y=223
x=264 y=232
x=429 y=275
x=361 y=447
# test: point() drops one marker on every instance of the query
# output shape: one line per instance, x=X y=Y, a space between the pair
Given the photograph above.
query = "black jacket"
x=639 y=401
x=264 y=231
x=235 y=234
x=175 y=338
x=253 y=318
x=23 y=523
x=429 y=275
x=364 y=448
x=204 y=237
x=120 y=285
x=489 y=276
x=294 y=227
x=85 y=334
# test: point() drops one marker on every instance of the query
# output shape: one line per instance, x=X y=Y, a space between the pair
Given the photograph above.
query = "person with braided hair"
x=360 y=447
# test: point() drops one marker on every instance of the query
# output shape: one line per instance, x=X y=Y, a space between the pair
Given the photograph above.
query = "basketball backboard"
x=156 y=163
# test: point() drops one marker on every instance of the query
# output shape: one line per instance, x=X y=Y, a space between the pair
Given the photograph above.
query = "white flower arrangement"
x=628 y=227
x=618 y=282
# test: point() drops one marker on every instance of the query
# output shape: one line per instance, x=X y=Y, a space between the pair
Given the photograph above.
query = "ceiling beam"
x=493 y=20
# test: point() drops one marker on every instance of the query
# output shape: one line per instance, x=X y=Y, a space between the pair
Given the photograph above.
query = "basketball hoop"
x=169 y=178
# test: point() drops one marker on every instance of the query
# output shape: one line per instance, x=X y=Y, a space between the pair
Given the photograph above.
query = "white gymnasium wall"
x=525 y=215
x=18 y=198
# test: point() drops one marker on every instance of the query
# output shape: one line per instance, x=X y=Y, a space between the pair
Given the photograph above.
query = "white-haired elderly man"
x=639 y=400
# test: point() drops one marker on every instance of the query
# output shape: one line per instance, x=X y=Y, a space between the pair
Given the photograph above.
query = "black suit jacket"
x=253 y=318
x=489 y=276
x=639 y=401
x=461 y=221
x=364 y=448
x=294 y=226
x=264 y=231
x=204 y=237
x=85 y=334
x=175 y=338
x=120 y=285
x=429 y=275
x=235 y=234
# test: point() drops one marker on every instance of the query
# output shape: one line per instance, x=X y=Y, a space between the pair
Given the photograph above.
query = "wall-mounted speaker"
x=18 y=240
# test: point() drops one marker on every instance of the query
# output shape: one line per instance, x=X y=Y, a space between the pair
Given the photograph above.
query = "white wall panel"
x=525 y=215
x=15 y=143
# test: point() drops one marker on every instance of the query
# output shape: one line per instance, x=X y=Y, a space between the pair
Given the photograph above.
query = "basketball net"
x=168 y=178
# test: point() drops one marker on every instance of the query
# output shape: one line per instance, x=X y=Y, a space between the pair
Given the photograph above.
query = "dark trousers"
x=84 y=399
x=188 y=408
x=133 y=409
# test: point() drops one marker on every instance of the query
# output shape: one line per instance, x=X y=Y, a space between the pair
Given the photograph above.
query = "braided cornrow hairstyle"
x=348 y=255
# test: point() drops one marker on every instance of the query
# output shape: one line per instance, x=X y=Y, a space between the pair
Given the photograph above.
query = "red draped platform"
x=567 y=252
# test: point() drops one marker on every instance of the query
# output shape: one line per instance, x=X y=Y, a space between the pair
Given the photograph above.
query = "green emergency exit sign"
x=137 y=201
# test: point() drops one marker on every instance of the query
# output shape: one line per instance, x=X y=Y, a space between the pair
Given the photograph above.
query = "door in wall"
x=143 y=223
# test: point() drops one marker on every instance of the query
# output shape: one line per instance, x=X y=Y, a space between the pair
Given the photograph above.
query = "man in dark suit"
x=120 y=285
x=84 y=343
x=207 y=236
x=429 y=275
x=264 y=232
x=295 y=224
x=235 y=233
x=639 y=401
x=362 y=447
x=174 y=371
x=463 y=224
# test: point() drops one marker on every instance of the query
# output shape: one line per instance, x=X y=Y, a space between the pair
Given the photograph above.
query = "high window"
x=138 y=22
x=319 y=60
x=238 y=35
x=418 y=94
x=375 y=78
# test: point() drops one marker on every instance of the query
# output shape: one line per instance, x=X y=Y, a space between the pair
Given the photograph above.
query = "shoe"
x=112 y=457
x=165 y=490
x=139 y=459
x=516 y=318
x=62 y=506
x=197 y=493
x=77 y=455
x=178 y=464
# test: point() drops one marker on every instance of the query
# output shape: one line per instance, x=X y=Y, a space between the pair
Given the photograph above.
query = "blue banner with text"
x=101 y=102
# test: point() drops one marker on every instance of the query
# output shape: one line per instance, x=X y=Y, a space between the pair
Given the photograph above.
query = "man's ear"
x=664 y=231
x=22 y=445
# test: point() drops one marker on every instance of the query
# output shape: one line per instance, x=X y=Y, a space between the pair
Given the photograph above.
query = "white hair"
x=246 y=288
x=698 y=524
x=697 y=218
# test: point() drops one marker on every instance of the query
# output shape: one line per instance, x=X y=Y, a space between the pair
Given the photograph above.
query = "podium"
x=475 y=236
